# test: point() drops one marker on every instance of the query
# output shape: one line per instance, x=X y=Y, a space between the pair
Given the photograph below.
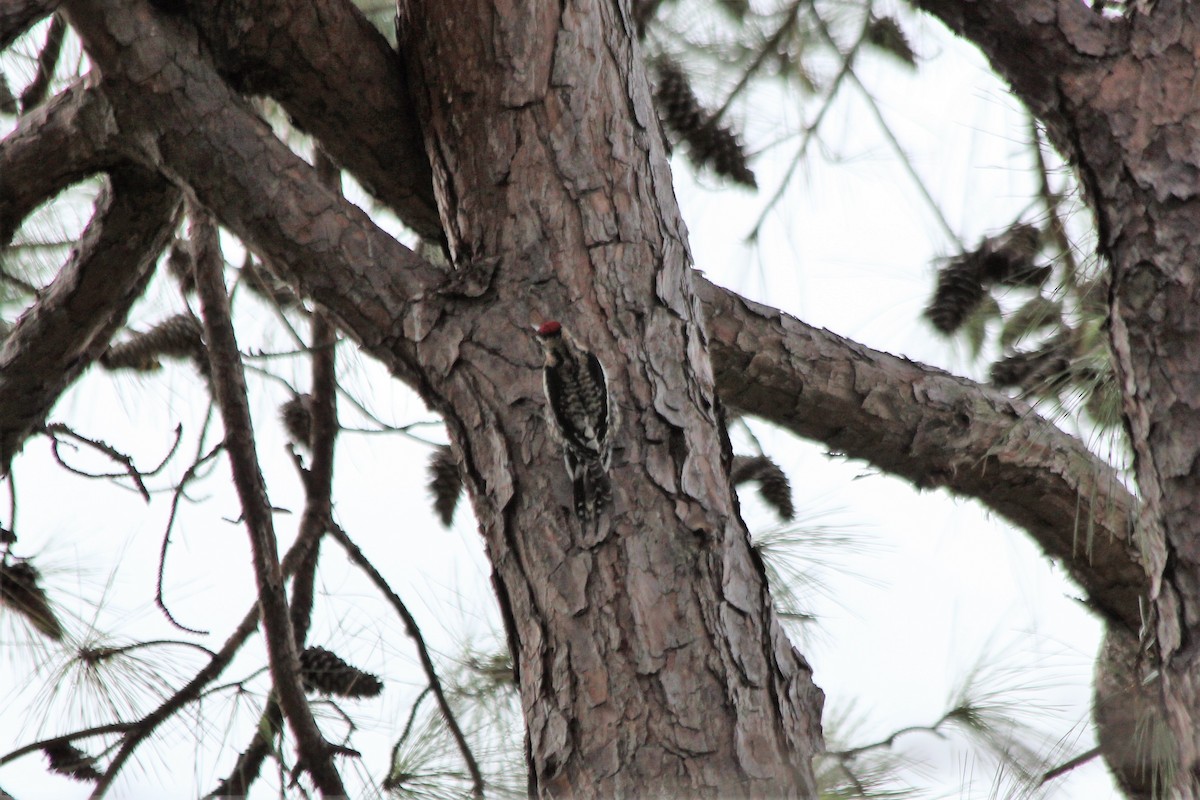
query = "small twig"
x=769 y=47
x=810 y=130
x=54 y=429
x=138 y=732
x=412 y=718
x=66 y=738
x=1069 y=765
x=890 y=739
x=414 y=632
x=1052 y=203
x=188 y=476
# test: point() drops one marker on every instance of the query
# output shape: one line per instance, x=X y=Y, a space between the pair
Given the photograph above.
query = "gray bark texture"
x=650 y=661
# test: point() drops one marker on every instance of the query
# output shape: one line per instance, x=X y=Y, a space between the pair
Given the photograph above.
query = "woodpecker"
x=580 y=414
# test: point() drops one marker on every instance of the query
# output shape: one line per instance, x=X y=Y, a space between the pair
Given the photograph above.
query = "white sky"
x=939 y=587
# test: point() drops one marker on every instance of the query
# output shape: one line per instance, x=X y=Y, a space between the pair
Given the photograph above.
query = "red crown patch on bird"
x=549 y=328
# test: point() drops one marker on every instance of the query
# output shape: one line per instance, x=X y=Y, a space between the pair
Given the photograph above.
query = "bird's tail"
x=593 y=491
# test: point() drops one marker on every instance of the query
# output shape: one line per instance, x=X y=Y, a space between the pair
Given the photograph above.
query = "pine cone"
x=20 y=591
x=445 y=483
x=327 y=674
x=959 y=290
x=67 y=759
x=718 y=147
x=1044 y=369
x=773 y=485
x=678 y=107
x=180 y=336
x=296 y=415
x=710 y=144
x=1008 y=257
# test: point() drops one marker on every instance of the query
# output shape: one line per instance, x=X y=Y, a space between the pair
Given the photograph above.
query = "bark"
x=1118 y=98
x=650 y=661
x=934 y=430
x=297 y=53
x=17 y=16
x=57 y=145
x=73 y=320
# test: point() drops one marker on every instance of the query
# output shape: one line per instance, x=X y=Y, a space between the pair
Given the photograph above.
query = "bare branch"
x=60 y=143
x=933 y=429
x=73 y=320
x=56 y=429
x=229 y=387
x=188 y=476
x=66 y=738
x=143 y=728
x=410 y=626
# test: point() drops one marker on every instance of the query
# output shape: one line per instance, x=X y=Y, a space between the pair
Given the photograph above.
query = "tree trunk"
x=1118 y=96
x=650 y=661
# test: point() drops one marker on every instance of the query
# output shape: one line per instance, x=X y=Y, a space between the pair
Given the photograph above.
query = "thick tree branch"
x=229 y=387
x=73 y=320
x=60 y=143
x=1032 y=43
x=201 y=134
x=292 y=51
x=933 y=429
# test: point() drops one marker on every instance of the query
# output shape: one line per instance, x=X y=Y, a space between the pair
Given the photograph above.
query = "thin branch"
x=318 y=485
x=230 y=390
x=194 y=688
x=886 y=129
x=1070 y=764
x=67 y=738
x=770 y=47
x=188 y=476
x=56 y=429
x=810 y=131
x=410 y=626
